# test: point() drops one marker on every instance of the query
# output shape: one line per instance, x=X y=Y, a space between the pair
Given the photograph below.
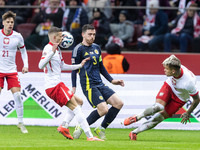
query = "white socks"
x=68 y=118
x=82 y=121
x=156 y=119
x=18 y=106
x=151 y=110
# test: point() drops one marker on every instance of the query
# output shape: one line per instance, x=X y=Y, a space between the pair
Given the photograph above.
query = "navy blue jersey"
x=90 y=72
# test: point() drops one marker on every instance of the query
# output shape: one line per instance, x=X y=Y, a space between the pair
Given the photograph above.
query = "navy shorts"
x=97 y=95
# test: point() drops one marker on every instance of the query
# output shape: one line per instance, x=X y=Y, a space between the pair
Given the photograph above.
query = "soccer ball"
x=67 y=41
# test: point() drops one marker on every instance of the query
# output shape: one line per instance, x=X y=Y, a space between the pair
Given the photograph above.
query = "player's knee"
x=158 y=107
x=119 y=105
x=103 y=111
x=156 y=119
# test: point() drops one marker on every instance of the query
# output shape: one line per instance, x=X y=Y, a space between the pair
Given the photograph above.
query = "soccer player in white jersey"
x=175 y=92
x=10 y=42
x=53 y=63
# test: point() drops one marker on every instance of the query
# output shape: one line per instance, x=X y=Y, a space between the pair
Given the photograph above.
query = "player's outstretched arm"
x=74 y=67
x=118 y=82
x=185 y=116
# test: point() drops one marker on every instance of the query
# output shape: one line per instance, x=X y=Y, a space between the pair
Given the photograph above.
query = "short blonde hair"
x=54 y=30
x=172 y=62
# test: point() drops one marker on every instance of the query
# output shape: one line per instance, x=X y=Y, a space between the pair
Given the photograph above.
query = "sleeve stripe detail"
x=22 y=47
x=195 y=94
x=74 y=53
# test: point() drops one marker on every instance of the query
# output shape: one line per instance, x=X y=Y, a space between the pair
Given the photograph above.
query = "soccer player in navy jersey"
x=96 y=92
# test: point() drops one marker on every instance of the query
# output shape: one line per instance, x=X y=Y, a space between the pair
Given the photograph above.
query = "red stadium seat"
x=25 y=29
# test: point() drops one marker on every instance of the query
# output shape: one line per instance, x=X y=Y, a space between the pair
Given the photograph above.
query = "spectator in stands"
x=114 y=61
x=182 y=4
x=73 y=21
x=124 y=29
x=45 y=3
x=99 y=3
x=50 y=16
x=23 y=14
x=187 y=28
x=101 y=24
x=154 y=30
x=3 y=10
x=144 y=12
x=133 y=13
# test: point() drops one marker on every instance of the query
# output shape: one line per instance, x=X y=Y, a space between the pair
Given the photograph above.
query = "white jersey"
x=8 y=48
x=53 y=64
x=184 y=86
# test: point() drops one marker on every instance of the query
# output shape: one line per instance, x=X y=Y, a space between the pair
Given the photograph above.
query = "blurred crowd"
x=149 y=29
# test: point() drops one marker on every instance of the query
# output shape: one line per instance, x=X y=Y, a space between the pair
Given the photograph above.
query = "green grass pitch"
x=47 y=138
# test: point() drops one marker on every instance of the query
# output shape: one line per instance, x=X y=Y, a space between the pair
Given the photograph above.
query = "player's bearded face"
x=8 y=23
x=90 y=36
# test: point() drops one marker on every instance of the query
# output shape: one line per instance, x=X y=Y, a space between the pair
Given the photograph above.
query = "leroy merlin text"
x=38 y=97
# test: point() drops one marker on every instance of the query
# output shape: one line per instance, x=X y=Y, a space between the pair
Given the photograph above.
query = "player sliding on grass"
x=52 y=63
x=175 y=92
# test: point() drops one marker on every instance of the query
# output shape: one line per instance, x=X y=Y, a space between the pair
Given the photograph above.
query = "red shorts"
x=173 y=103
x=60 y=94
x=12 y=80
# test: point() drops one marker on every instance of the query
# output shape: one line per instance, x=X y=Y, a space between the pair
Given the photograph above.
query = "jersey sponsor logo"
x=96 y=51
x=86 y=53
x=6 y=41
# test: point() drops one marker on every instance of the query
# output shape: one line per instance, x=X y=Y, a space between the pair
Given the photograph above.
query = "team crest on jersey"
x=86 y=53
x=100 y=97
x=96 y=51
x=6 y=41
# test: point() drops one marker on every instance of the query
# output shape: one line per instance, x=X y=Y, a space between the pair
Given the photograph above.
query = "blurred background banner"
x=139 y=93
x=139 y=62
